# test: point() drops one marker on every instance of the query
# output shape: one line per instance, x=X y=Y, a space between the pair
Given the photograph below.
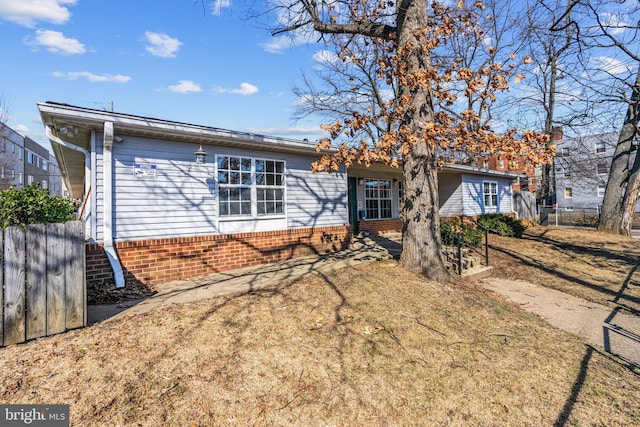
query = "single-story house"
x=163 y=200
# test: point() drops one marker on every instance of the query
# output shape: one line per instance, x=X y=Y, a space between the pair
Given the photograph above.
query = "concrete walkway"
x=614 y=330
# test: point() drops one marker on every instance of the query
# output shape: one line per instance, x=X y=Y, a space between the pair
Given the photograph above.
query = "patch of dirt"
x=107 y=293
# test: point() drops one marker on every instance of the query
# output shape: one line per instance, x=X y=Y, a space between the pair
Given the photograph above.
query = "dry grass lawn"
x=371 y=345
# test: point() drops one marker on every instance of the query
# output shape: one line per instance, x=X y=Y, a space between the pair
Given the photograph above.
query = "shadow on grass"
x=575 y=390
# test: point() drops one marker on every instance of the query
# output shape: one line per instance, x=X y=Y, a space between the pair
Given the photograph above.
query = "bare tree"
x=7 y=168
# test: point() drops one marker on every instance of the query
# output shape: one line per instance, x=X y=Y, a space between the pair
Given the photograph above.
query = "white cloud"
x=21 y=129
x=162 y=45
x=91 y=77
x=185 y=86
x=218 y=6
x=615 y=23
x=244 y=89
x=610 y=65
x=56 y=42
x=28 y=12
x=325 y=56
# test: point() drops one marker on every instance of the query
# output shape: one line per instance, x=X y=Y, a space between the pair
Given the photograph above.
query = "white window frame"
x=30 y=179
x=488 y=196
x=600 y=189
x=249 y=189
x=501 y=163
x=377 y=197
x=603 y=148
x=606 y=169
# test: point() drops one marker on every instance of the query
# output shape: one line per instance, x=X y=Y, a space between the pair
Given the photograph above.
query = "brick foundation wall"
x=380 y=226
x=162 y=260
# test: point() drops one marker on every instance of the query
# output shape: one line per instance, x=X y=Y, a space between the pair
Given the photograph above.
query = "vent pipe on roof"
x=107 y=195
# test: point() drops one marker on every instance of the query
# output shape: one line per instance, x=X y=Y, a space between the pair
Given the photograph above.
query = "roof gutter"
x=107 y=195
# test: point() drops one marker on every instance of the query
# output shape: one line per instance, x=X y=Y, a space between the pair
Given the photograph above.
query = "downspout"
x=107 y=195
x=108 y=241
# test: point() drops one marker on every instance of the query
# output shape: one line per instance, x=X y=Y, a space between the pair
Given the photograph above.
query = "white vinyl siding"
x=182 y=199
x=450 y=194
x=473 y=195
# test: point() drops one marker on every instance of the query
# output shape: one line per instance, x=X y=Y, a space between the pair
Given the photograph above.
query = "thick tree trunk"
x=612 y=204
x=630 y=199
x=421 y=243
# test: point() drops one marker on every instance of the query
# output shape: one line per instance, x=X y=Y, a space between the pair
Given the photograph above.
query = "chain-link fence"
x=575 y=216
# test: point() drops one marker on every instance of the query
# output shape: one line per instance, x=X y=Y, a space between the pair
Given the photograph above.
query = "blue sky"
x=169 y=59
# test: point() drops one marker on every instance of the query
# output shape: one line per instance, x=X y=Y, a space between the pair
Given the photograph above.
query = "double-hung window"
x=490 y=191
x=250 y=187
x=270 y=187
x=234 y=185
x=377 y=195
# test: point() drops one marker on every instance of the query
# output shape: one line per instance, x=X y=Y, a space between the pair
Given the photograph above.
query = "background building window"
x=567 y=171
x=602 y=168
x=568 y=193
x=601 y=190
x=31 y=158
x=490 y=190
x=600 y=147
x=377 y=196
x=30 y=179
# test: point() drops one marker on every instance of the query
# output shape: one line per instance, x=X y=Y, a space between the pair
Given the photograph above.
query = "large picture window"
x=250 y=187
x=377 y=196
x=490 y=190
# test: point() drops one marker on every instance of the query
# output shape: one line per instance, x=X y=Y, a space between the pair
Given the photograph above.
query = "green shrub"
x=449 y=233
x=502 y=225
x=33 y=205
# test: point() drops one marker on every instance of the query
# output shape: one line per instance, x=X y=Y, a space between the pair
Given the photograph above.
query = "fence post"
x=14 y=286
x=486 y=247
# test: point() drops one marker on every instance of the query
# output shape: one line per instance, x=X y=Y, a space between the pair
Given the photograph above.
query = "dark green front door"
x=353 y=203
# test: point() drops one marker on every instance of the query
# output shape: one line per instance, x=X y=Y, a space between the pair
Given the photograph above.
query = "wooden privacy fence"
x=43 y=280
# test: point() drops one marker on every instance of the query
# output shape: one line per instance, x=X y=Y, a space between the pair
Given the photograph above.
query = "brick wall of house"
x=380 y=226
x=163 y=260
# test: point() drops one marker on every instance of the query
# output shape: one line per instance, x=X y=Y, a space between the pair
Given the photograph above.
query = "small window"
x=45 y=164
x=602 y=168
x=486 y=164
x=21 y=178
x=13 y=147
x=30 y=179
x=568 y=193
x=490 y=190
x=20 y=153
x=600 y=147
x=45 y=184
x=601 y=190
x=565 y=151
x=3 y=146
x=31 y=158
x=567 y=171
x=501 y=163
x=568 y=208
